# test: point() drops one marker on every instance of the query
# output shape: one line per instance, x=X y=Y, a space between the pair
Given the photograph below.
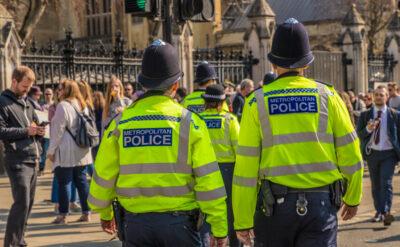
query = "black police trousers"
x=318 y=228
x=160 y=229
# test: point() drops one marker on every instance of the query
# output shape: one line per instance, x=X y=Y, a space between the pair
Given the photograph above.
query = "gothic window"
x=98 y=18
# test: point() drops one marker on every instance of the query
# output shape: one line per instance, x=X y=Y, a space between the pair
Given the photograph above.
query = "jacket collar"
x=287 y=74
x=11 y=95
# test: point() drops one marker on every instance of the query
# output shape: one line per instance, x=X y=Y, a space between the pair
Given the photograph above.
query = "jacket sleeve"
x=209 y=186
x=347 y=147
x=102 y=186
x=245 y=179
x=10 y=133
x=362 y=126
x=58 y=128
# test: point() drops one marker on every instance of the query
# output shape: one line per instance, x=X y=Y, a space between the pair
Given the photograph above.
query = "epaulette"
x=325 y=83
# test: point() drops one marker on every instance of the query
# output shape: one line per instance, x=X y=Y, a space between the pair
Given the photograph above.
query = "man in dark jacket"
x=20 y=132
x=378 y=129
x=246 y=87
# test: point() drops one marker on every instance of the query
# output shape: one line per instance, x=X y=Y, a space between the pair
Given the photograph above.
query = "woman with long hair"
x=87 y=94
x=115 y=100
x=346 y=99
x=73 y=205
x=98 y=104
x=69 y=160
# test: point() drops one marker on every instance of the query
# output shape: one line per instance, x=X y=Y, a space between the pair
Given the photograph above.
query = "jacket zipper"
x=34 y=139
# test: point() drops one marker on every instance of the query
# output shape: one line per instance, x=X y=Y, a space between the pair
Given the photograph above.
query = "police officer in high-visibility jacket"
x=156 y=158
x=296 y=144
x=205 y=76
x=224 y=129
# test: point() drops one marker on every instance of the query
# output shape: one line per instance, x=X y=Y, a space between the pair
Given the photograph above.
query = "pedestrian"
x=20 y=132
x=269 y=77
x=129 y=90
x=223 y=129
x=296 y=152
x=230 y=93
x=87 y=94
x=368 y=101
x=180 y=94
x=73 y=205
x=69 y=160
x=34 y=96
x=378 y=130
x=48 y=99
x=346 y=100
x=98 y=103
x=358 y=105
x=246 y=87
x=160 y=151
x=394 y=97
x=205 y=76
x=115 y=101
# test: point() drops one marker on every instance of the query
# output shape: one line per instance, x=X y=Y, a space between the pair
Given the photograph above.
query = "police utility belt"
x=271 y=193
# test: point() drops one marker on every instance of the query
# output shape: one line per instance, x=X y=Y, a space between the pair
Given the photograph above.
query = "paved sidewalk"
x=40 y=230
x=358 y=232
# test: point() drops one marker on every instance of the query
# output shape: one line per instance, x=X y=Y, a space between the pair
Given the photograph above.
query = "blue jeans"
x=286 y=228
x=89 y=170
x=381 y=166
x=45 y=145
x=227 y=175
x=54 y=191
x=65 y=176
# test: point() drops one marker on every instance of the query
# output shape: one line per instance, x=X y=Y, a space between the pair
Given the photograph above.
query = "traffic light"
x=196 y=10
x=149 y=8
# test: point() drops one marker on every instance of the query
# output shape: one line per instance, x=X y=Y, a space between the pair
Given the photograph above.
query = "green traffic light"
x=135 y=6
x=141 y=4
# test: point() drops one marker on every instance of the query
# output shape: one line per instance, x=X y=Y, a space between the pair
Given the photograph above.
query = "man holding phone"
x=378 y=129
x=20 y=132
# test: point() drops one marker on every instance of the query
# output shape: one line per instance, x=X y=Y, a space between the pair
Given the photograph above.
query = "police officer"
x=223 y=129
x=152 y=158
x=296 y=142
x=205 y=76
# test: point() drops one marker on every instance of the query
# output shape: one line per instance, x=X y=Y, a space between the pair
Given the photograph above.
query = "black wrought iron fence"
x=380 y=68
x=93 y=63
x=233 y=66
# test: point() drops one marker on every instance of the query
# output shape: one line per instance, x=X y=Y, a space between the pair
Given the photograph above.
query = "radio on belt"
x=147 y=137
x=292 y=104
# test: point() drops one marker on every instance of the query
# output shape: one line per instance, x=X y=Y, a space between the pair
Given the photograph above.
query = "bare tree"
x=376 y=14
x=35 y=12
x=27 y=14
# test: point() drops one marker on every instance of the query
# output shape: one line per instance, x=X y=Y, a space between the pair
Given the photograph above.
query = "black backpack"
x=87 y=135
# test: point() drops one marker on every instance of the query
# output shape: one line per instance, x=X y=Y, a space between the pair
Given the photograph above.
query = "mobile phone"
x=43 y=124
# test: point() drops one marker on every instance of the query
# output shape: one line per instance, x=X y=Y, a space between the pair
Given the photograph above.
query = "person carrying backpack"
x=72 y=137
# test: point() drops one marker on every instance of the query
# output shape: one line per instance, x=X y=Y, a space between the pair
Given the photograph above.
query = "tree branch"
x=35 y=12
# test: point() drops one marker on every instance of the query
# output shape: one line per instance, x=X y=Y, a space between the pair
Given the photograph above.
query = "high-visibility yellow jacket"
x=224 y=132
x=158 y=158
x=195 y=103
x=294 y=132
